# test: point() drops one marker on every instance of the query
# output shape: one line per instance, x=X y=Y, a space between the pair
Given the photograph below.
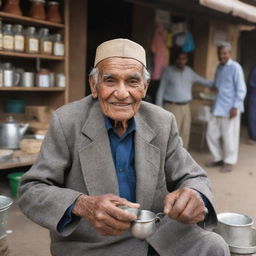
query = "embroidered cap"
x=122 y=48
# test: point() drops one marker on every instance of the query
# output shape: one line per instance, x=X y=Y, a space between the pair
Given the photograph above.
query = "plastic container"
x=14 y=181
x=14 y=106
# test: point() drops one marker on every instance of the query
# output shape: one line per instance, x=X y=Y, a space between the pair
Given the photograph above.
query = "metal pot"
x=146 y=224
x=5 y=203
x=11 y=133
x=236 y=229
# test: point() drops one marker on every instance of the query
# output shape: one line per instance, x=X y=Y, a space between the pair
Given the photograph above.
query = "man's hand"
x=233 y=112
x=103 y=214
x=185 y=205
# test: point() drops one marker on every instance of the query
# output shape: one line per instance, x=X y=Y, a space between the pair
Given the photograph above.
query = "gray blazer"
x=76 y=158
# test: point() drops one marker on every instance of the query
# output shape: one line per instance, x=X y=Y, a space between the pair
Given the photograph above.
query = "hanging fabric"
x=160 y=50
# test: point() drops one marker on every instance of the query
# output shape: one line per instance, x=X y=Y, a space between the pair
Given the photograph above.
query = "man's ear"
x=146 y=88
x=93 y=87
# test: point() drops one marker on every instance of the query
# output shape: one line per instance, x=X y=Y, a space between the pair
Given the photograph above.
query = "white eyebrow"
x=135 y=75
x=107 y=75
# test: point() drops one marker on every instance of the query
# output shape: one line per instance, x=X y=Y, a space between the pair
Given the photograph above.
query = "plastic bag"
x=189 y=44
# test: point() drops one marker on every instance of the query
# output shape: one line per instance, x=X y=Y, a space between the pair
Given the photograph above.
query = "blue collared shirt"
x=122 y=148
x=229 y=80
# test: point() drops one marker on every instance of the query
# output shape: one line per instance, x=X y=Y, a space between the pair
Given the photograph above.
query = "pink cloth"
x=160 y=49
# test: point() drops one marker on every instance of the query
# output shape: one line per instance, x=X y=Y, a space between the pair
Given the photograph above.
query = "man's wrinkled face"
x=182 y=60
x=120 y=88
x=224 y=54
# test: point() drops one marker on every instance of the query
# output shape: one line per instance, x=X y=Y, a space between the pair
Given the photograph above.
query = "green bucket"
x=14 y=181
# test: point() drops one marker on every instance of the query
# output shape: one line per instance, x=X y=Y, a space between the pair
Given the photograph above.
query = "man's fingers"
x=180 y=205
x=132 y=205
x=120 y=214
x=199 y=218
x=185 y=205
x=169 y=202
x=105 y=219
x=122 y=201
x=194 y=208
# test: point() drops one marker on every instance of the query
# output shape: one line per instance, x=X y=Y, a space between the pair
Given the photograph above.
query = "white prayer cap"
x=122 y=48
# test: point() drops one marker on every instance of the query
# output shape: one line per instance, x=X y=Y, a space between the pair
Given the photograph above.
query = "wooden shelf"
x=20 y=159
x=30 y=55
x=29 y=21
x=33 y=89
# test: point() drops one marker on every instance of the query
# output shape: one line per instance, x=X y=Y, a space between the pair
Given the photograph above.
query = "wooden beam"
x=77 y=49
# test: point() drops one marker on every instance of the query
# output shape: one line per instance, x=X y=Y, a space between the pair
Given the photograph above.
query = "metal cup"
x=146 y=224
x=28 y=79
x=10 y=78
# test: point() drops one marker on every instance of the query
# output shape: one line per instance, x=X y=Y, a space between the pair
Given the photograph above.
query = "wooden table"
x=19 y=159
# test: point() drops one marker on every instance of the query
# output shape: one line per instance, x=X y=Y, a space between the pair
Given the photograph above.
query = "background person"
x=225 y=120
x=251 y=107
x=175 y=93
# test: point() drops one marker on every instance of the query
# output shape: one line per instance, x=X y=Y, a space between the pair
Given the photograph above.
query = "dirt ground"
x=234 y=192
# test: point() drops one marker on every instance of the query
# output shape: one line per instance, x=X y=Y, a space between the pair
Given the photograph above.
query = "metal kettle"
x=11 y=133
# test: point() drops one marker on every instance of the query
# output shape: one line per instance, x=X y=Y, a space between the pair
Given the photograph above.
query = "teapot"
x=11 y=133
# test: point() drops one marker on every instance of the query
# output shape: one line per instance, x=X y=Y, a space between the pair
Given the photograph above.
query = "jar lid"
x=31 y=29
x=53 y=3
x=8 y=25
x=58 y=37
x=44 y=32
x=38 y=1
x=18 y=27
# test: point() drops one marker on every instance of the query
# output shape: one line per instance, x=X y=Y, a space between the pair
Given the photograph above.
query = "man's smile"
x=120 y=104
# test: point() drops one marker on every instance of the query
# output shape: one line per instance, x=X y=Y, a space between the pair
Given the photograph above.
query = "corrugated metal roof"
x=194 y=8
x=234 y=7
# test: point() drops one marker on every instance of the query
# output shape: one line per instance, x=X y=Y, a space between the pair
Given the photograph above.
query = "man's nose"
x=122 y=92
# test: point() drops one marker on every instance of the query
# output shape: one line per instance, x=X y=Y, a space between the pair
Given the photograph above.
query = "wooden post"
x=77 y=12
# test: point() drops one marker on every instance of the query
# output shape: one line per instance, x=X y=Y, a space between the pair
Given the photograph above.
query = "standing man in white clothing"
x=225 y=121
x=175 y=93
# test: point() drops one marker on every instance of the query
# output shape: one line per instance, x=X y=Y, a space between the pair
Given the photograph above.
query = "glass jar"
x=37 y=10
x=8 y=39
x=53 y=12
x=60 y=80
x=13 y=6
x=1 y=75
x=19 y=38
x=58 y=46
x=43 y=78
x=1 y=35
x=32 y=41
x=45 y=42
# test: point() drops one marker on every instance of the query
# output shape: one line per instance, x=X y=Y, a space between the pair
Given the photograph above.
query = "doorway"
x=106 y=20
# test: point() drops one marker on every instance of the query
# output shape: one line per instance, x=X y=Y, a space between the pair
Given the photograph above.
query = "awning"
x=234 y=7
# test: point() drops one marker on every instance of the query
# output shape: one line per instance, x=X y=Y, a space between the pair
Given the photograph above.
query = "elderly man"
x=111 y=149
x=175 y=93
x=225 y=121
